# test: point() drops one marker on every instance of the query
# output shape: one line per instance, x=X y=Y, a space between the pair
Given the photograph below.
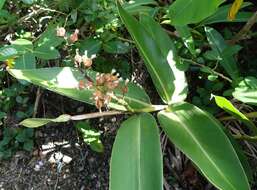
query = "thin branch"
x=37 y=102
x=247 y=27
x=203 y=66
x=246 y=137
x=248 y=115
x=96 y=115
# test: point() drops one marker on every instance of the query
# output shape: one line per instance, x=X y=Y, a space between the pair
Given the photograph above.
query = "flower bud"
x=60 y=31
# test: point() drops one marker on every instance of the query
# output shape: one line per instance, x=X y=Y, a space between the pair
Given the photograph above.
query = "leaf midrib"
x=204 y=152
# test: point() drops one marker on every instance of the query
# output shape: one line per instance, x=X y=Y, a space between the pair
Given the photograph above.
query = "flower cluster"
x=85 y=59
x=61 y=32
x=104 y=87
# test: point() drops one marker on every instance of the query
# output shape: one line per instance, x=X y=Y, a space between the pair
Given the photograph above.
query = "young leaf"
x=183 y=12
x=201 y=138
x=158 y=53
x=39 y=122
x=116 y=47
x=226 y=105
x=218 y=44
x=90 y=136
x=136 y=162
x=185 y=33
x=65 y=81
x=246 y=91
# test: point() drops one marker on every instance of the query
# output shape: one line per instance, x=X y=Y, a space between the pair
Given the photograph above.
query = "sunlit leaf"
x=226 y=105
x=219 y=45
x=200 y=136
x=183 y=12
x=158 y=52
x=246 y=90
x=136 y=162
x=65 y=81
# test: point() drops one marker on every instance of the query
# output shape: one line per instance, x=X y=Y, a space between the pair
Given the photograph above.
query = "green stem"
x=246 y=137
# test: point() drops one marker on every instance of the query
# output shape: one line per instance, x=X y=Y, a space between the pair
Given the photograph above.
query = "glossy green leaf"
x=246 y=91
x=39 y=122
x=227 y=106
x=46 y=52
x=241 y=155
x=90 y=136
x=2 y=2
x=183 y=12
x=221 y=15
x=138 y=6
x=219 y=45
x=136 y=162
x=7 y=52
x=65 y=81
x=49 y=38
x=116 y=47
x=25 y=61
x=91 y=45
x=185 y=34
x=200 y=136
x=157 y=50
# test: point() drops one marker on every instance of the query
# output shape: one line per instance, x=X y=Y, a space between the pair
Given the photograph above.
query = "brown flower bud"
x=87 y=61
x=74 y=36
x=82 y=85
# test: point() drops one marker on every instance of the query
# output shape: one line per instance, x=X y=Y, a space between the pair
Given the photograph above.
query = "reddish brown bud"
x=74 y=36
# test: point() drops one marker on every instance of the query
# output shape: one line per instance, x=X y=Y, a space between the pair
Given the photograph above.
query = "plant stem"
x=96 y=115
x=203 y=66
x=246 y=137
x=37 y=102
x=110 y=113
x=247 y=27
x=248 y=115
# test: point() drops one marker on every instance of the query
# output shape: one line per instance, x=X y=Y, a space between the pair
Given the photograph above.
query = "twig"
x=166 y=185
x=246 y=137
x=240 y=35
x=96 y=115
x=248 y=115
x=37 y=102
x=203 y=66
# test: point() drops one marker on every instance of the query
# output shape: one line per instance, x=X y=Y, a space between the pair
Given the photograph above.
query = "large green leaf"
x=246 y=91
x=2 y=4
x=183 y=12
x=185 y=33
x=200 y=136
x=65 y=81
x=231 y=109
x=138 y=6
x=136 y=162
x=26 y=60
x=219 y=45
x=221 y=15
x=158 y=53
